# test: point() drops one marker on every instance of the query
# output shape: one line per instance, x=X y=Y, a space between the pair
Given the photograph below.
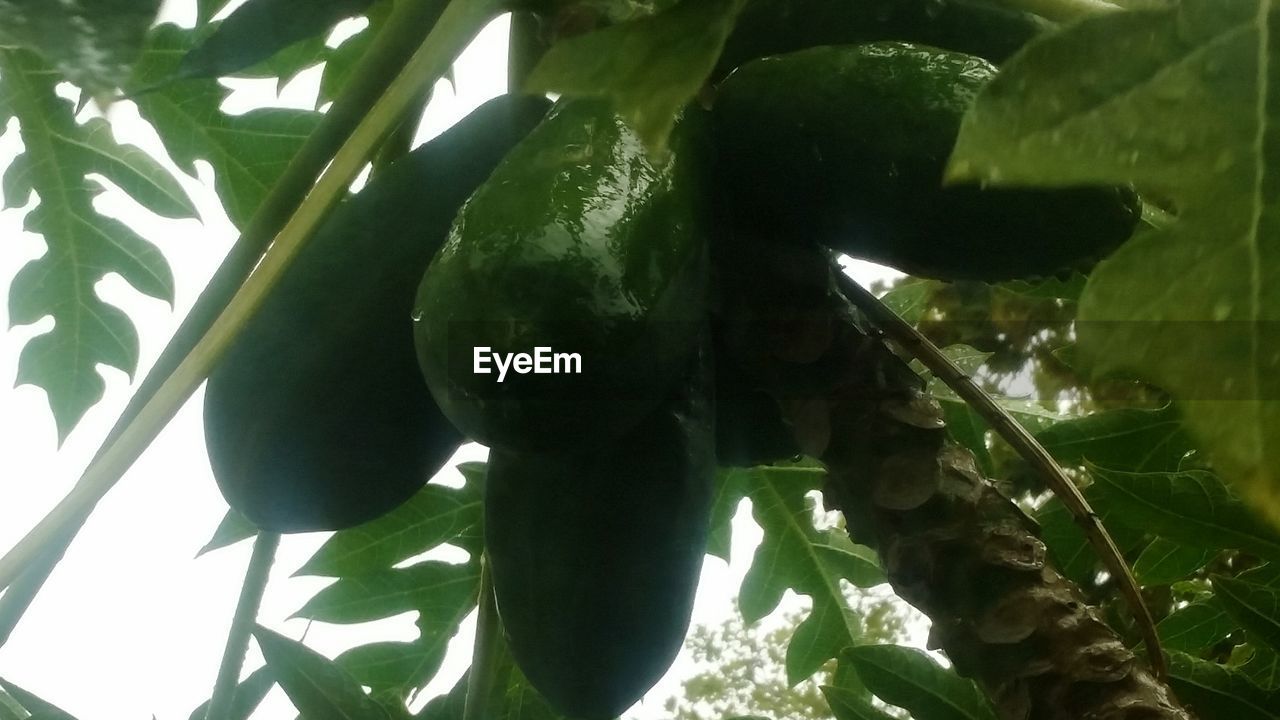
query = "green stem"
x=458 y=24
x=486 y=653
x=242 y=623
x=525 y=48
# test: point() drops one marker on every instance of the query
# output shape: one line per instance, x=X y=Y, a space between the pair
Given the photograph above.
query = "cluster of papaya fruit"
x=552 y=227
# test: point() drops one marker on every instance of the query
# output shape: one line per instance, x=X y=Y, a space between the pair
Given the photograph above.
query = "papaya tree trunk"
x=950 y=543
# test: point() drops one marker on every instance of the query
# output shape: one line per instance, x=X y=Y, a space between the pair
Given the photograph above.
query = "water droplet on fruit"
x=1222 y=310
x=417 y=315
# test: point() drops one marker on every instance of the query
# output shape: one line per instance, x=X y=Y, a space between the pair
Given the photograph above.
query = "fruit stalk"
x=242 y=624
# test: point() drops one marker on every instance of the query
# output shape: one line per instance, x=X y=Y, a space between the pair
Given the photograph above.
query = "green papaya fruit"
x=846 y=146
x=978 y=27
x=581 y=244
x=749 y=425
x=596 y=554
x=317 y=417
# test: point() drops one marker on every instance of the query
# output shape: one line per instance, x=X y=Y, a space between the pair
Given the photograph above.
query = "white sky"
x=130 y=625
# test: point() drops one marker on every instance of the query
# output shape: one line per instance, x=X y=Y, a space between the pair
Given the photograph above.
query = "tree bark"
x=950 y=543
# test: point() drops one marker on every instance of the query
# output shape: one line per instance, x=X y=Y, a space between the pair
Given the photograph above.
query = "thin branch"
x=1023 y=443
x=242 y=624
x=458 y=24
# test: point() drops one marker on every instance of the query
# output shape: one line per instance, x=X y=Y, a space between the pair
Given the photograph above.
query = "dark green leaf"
x=1070 y=550
x=396 y=667
x=233 y=528
x=341 y=61
x=34 y=705
x=1214 y=692
x=849 y=705
x=910 y=679
x=1163 y=562
x=89 y=42
x=249 y=695
x=1192 y=508
x=1189 y=116
x=248 y=152
x=1263 y=669
x=1047 y=289
x=1133 y=440
x=259 y=29
x=731 y=487
x=651 y=67
x=450 y=705
x=1255 y=607
x=436 y=515
x=318 y=688
x=969 y=429
x=429 y=586
x=83 y=246
x=1191 y=629
x=910 y=298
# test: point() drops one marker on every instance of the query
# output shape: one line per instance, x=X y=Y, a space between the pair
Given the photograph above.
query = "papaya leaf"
x=1070 y=550
x=248 y=152
x=1164 y=562
x=1052 y=288
x=430 y=587
x=59 y=158
x=436 y=515
x=1125 y=439
x=1195 y=627
x=1214 y=692
x=1180 y=102
x=449 y=706
x=395 y=667
x=39 y=709
x=794 y=554
x=259 y=29
x=910 y=679
x=731 y=488
x=206 y=9
x=89 y=42
x=341 y=61
x=232 y=529
x=911 y=298
x=650 y=67
x=1263 y=669
x=1205 y=622
x=317 y=686
x=965 y=424
x=249 y=695
x=1193 y=508
x=1255 y=607
x=849 y=705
